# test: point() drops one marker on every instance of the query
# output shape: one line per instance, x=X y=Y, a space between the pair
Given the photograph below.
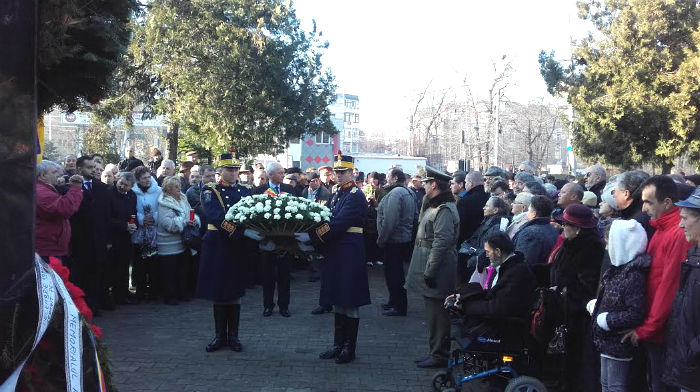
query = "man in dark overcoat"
x=90 y=237
x=344 y=283
x=123 y=207
x=221 y=263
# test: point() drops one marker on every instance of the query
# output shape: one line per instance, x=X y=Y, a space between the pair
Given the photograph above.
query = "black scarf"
x=444 y=197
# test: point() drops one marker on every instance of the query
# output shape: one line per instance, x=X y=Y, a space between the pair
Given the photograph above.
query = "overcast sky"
x=388 y=51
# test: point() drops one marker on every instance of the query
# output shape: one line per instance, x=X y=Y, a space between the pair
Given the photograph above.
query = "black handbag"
x=557 y=345
x=191 y=238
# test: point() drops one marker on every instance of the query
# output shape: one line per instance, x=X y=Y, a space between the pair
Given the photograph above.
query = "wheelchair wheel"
x=443 y=380
x=525 y=384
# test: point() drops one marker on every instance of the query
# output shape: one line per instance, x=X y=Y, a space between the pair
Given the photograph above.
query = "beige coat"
x=435 y=250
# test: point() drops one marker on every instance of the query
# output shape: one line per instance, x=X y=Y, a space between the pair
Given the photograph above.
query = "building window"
x=323 y=138
x=357 y=118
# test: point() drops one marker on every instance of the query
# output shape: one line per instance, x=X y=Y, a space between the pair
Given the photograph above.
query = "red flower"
x=96 y=331
x=60 y=269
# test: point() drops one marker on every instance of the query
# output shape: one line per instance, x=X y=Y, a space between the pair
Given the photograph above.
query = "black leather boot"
x=347 y=354
x=338 y=338
x=220 y=328
x=234 y=318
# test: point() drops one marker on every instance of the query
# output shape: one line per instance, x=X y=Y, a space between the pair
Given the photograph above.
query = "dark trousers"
x=656 y=353
x=439 y=328
x=146 y=275
x=275 y=272
x=120 y=256
x=175 y=275
x=88 y=275
x=394 y=257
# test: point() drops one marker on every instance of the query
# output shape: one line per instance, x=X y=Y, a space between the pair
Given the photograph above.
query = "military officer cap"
x=432 y=174
x=343 y=162
x=228 y=160
x=244 y=168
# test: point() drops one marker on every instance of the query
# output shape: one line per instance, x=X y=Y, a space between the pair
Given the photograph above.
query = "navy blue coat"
x=344 y=271
x=221 y=262
x=535 y=240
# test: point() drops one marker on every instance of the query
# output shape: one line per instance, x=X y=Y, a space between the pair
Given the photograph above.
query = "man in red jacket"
x=667 y=248
x=53 y=210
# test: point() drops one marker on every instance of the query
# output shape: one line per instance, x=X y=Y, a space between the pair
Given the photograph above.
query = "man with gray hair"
x=259 y=177
x=471 y=198
x=275 y=268
x=526 y=167
x=52 y=234
x=595 y=179
x=520 y=180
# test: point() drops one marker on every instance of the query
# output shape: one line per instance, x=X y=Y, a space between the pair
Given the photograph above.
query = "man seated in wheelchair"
x=494 y=307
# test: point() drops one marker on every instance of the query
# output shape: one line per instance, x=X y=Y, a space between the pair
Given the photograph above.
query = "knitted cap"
x=627 y=241
x=607 y=194
x=590 y=199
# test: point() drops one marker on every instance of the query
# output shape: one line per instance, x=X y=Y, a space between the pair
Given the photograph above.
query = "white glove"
x=267 y=245
x=590 y=306
x=602 y=321
x=304 y=247
x=302 y=237
x=253 y=235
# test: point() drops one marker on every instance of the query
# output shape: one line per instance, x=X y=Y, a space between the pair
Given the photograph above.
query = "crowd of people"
x=616 y=259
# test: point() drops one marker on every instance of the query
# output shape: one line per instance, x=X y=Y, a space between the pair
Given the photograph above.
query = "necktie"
x=489 y=276
x=88 y=186
x=277 y=189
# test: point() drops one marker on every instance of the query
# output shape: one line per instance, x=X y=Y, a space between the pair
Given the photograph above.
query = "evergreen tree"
x=635 y=87
x=80 y=44
x=227 y=72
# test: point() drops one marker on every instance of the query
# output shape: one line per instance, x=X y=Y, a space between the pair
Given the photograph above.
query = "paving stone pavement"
x=155 y=347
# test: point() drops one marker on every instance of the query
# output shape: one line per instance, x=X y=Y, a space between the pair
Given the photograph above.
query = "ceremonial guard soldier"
x=221 y=278
x=344 y=282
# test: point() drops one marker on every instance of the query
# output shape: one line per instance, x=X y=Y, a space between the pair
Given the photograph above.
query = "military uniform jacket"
x=221 y=262
x=344 y=271
x=434 y=252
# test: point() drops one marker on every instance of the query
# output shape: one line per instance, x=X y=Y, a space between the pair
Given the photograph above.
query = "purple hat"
x=580 y=216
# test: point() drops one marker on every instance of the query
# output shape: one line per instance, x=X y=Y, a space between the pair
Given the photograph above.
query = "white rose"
x=278 y=203
x=317 y=218
x=288 y=216
x=299 y=216
x=303 y=207
x=267 y=215
x=276 y=217
x=267 y=207
x=288 y=208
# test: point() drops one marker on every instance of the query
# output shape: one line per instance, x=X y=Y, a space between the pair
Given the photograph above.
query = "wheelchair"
x=485 y=362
